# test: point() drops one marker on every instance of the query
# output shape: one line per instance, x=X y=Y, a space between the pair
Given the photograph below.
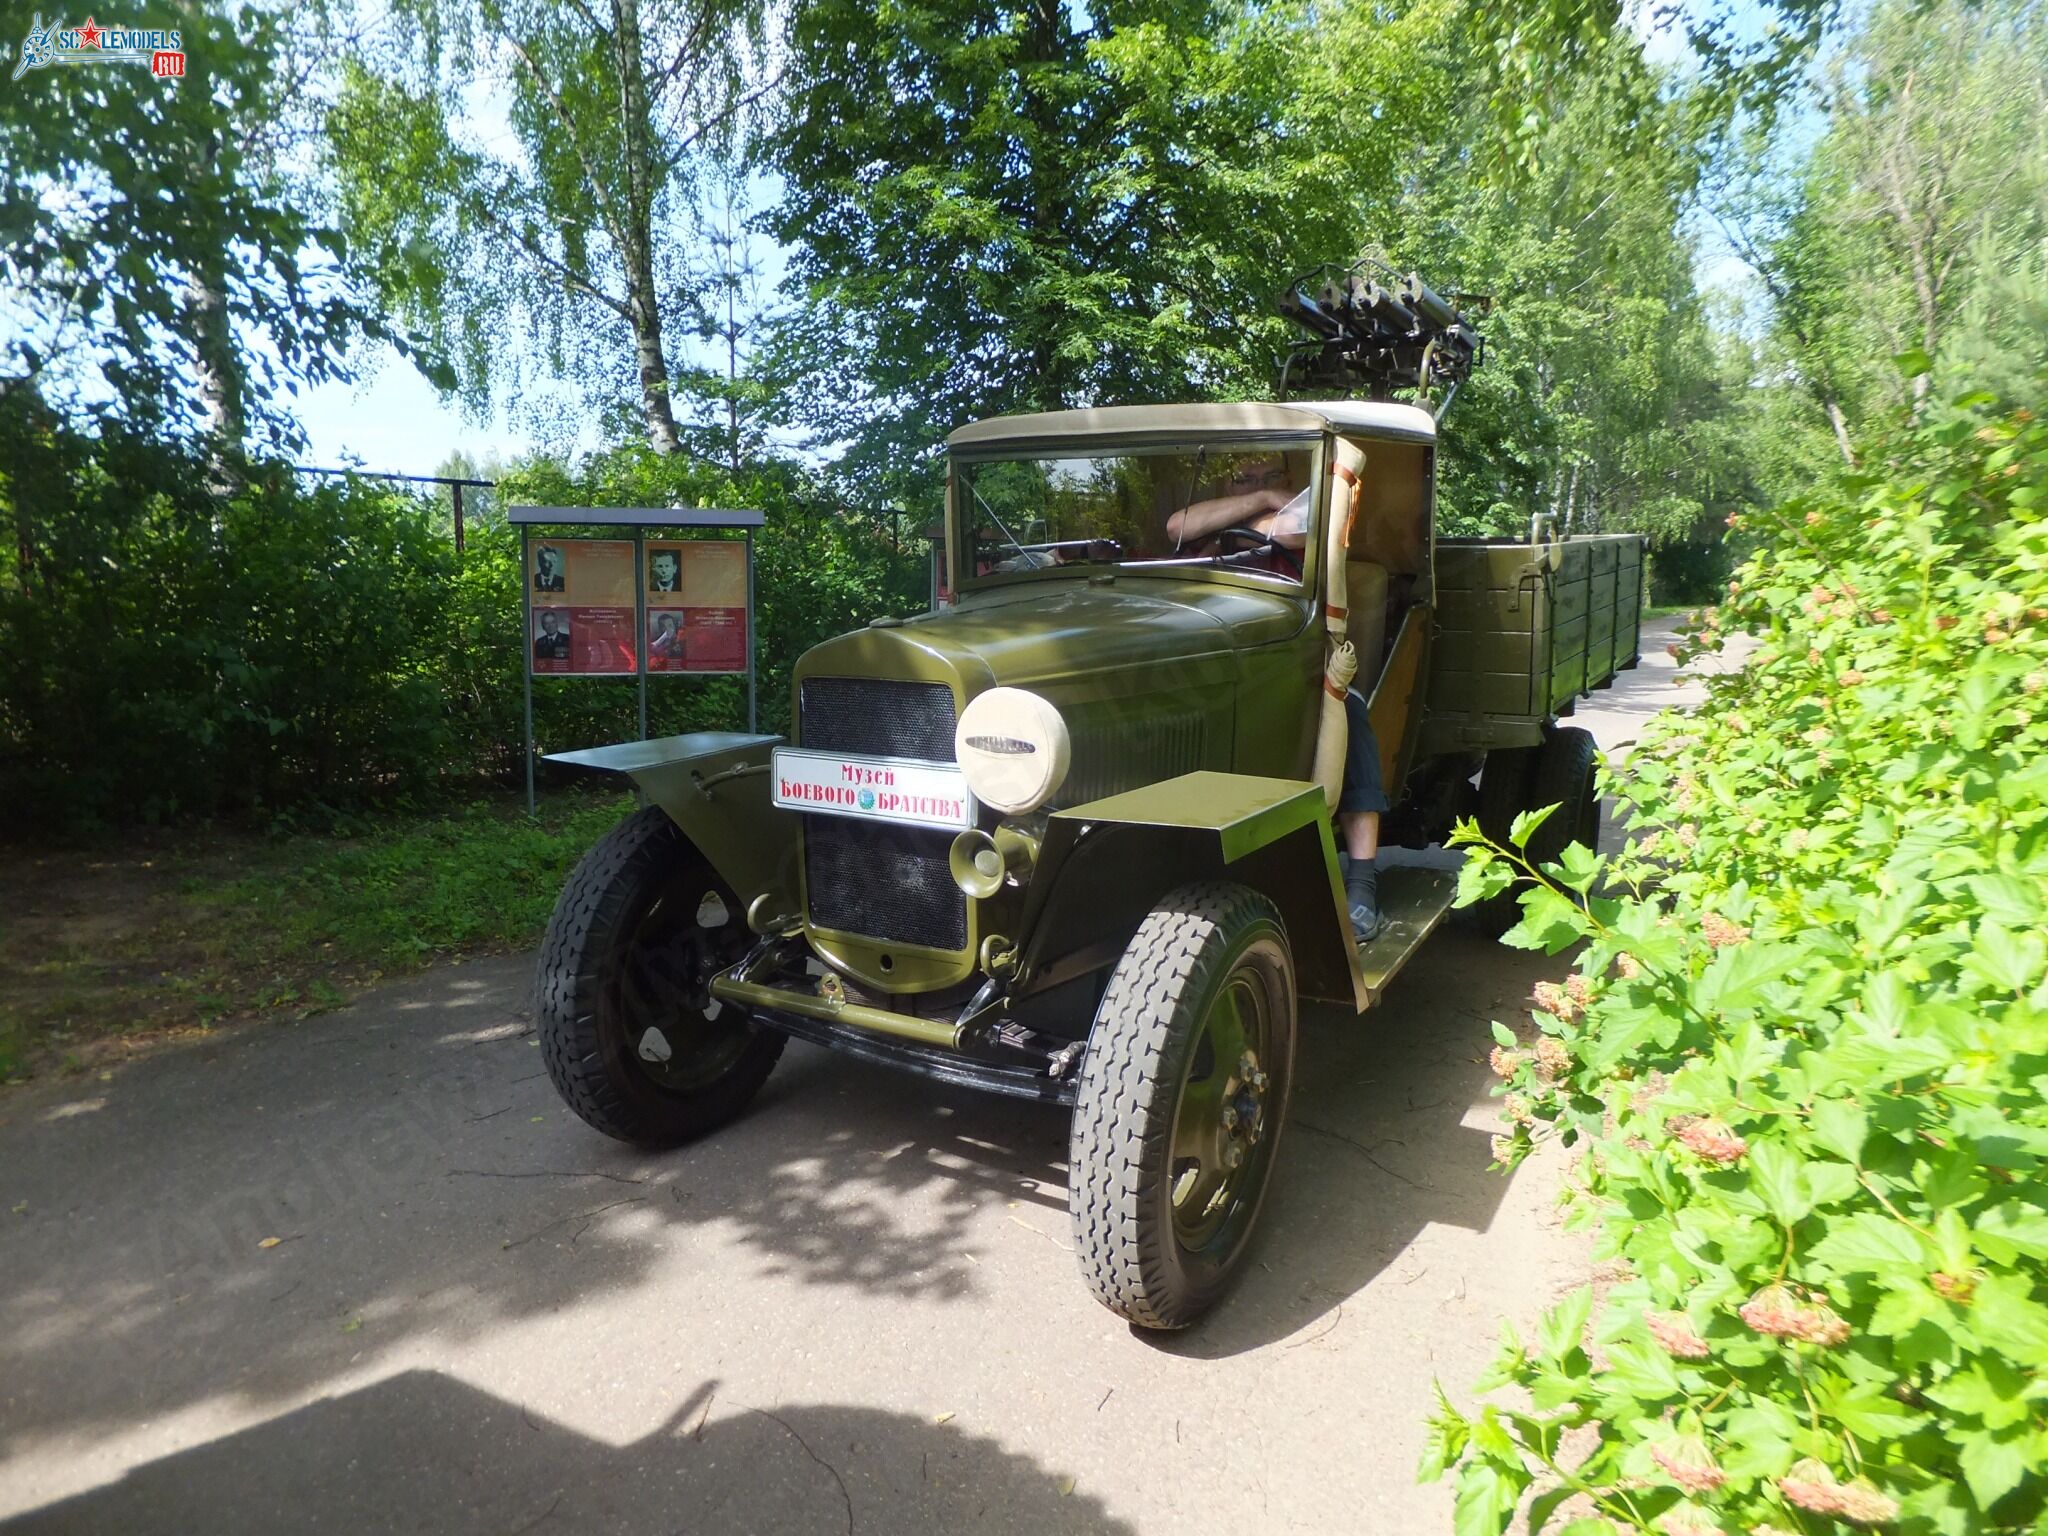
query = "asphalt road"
x=853 y=1311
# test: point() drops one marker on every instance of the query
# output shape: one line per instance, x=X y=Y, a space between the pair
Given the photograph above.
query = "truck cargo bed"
x=1524 y=630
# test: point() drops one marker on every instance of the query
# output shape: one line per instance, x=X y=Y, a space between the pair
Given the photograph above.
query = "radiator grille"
x=884 y=882
x=867 y=877
x=880 y=719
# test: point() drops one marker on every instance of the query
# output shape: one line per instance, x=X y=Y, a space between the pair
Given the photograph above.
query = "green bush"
x=173 y=653
x=1805 y=1049
x=291 y=651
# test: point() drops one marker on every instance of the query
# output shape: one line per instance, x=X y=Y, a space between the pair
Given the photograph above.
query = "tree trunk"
x=642 y=303
x=217 y=368
x=1841 y=426
x=654 y=395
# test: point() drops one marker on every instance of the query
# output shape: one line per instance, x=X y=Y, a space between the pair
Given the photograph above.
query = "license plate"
x=895 y=789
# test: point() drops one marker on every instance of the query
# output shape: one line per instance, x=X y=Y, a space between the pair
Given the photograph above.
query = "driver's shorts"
x=1362 y=789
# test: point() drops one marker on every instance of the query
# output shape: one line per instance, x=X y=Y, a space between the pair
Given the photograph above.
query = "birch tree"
x=565 y=227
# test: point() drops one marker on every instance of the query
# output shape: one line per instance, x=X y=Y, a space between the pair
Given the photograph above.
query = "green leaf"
x=1990 y=1389
x=1991 y=1466
x=1485 y=1500
x=1743 y=977
x=1549 y=922
x=2015 y=1226
x=2006 y=1319
x=1913 y=362
x=1580 y=867
x=1525 y=824
x=1490 y=1439
x=1641 y=1370
x=1444 y=1444
x=1871 y=1415
x=2009 y=960
x=1564 y=1325
x=2009 y=900
x=1779 y=1176
x=1482 y=879
x=1503 y=1035
x=1869 y=1243
x=1840 y=1126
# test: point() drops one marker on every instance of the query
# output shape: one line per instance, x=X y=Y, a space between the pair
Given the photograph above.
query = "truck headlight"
x=1013 y=748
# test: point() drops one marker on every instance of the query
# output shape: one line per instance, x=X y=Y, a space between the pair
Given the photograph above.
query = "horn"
x=978 y=866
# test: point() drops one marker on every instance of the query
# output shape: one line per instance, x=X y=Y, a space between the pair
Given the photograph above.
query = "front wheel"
x=634 y=1040
x=1181 y=1099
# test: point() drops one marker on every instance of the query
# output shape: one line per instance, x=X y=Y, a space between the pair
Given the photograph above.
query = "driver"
x=1262 y=497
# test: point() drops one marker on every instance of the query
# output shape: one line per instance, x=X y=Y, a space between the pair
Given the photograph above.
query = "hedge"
x=1804 y=1048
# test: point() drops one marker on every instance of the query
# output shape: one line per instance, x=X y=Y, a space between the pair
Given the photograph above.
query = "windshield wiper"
x=975 y=491
x=1089 y=546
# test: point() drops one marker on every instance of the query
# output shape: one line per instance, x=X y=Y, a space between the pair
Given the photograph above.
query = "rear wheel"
x=1181 y=1099
x=629 y=1030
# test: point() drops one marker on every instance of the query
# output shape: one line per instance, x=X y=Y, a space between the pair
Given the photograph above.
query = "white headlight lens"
x=1013 y=747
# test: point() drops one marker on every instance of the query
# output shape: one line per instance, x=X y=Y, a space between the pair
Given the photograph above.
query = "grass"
x=108 y=952
x=1666 y=611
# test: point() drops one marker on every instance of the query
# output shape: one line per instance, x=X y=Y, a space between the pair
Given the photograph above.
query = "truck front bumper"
x=994 y=1057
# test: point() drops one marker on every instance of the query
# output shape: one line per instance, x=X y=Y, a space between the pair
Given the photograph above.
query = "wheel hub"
x=1221 y=1120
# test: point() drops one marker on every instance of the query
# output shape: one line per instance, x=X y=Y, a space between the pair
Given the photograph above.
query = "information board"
x=583 y=609
x=697 y=606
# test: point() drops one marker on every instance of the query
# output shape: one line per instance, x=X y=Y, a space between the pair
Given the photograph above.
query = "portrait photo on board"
x=551 y=634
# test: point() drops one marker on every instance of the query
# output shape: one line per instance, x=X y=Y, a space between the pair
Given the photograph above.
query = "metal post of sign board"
x=526 y=649
x=640 y=621
x=752 y=727
x=640 y=519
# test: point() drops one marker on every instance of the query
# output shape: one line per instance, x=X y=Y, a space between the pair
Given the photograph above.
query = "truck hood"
x=1039 y=634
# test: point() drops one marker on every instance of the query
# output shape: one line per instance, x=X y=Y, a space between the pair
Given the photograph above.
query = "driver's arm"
x=1288 y=526
x=1206 y=517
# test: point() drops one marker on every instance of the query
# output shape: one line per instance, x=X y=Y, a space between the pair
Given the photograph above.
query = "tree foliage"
x=1015 y=207
x=149 y=239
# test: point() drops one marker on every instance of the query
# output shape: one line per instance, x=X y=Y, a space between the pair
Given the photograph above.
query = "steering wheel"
x=1264 y=543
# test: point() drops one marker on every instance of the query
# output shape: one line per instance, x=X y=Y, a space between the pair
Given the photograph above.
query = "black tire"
x=624 y=974
x=1152 y=1069
x=1564 y=776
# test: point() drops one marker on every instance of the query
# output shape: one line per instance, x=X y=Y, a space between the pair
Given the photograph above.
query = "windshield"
x=1236 y=505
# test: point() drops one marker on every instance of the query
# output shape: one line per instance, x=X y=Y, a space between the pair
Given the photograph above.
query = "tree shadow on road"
x=424 y=1181
x=424 y=1451
x=421 y=1178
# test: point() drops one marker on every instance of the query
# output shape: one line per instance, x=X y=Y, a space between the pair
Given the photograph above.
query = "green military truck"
x=1070 y=836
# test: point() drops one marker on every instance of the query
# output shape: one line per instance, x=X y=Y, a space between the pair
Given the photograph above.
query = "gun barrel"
x=1419 y=296
x=1388 y=309
x=1302 y=309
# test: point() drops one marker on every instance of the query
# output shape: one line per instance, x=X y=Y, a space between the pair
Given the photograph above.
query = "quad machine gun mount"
x=1373 y=332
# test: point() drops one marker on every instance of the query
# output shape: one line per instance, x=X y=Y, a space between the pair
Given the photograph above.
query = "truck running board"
x=1413 y=900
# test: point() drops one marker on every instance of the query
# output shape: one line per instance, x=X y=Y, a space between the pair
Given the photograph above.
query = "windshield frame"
x=959 y=534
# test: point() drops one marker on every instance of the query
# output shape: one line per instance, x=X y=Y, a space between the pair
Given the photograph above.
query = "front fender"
x=1104 y=864
x=715 y=786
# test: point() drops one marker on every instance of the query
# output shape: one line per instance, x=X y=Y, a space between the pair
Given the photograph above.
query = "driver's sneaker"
x=1362 y=897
